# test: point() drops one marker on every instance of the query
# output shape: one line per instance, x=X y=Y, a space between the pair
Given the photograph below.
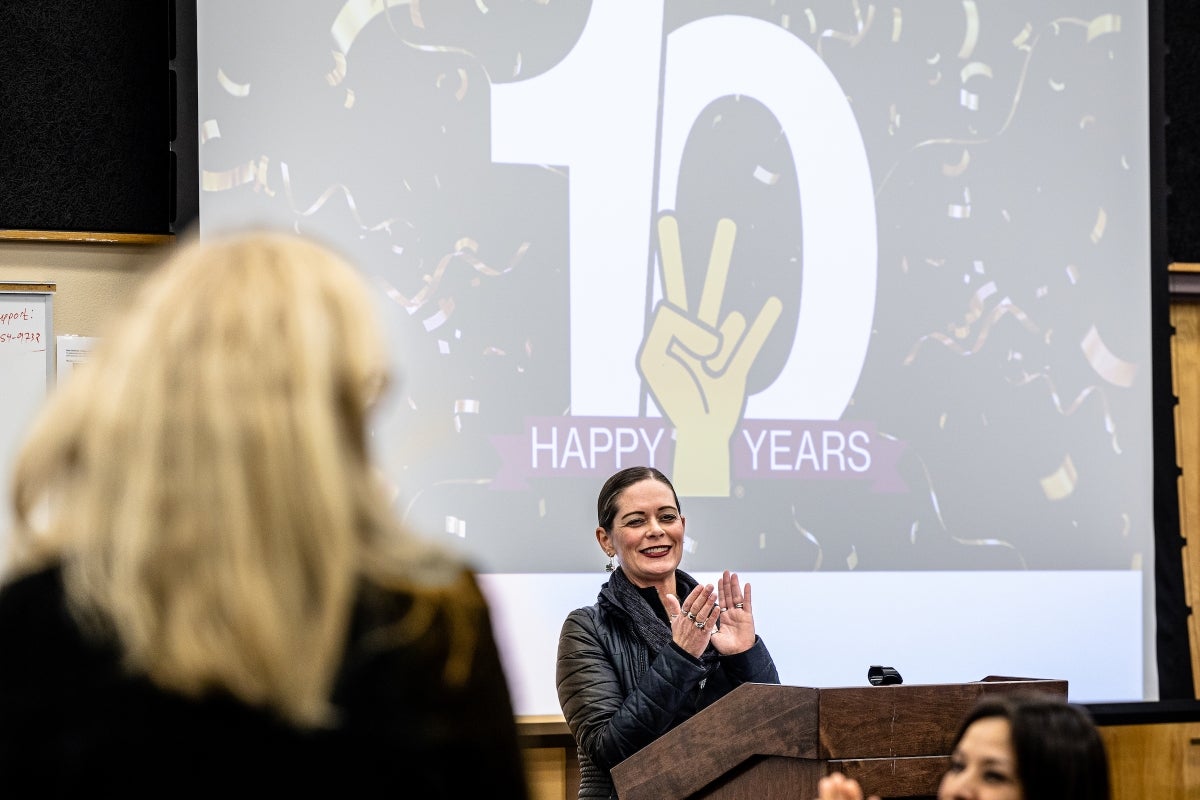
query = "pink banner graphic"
x=760 y=450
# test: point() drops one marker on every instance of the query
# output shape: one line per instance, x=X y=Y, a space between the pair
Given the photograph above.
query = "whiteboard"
x=26 y=370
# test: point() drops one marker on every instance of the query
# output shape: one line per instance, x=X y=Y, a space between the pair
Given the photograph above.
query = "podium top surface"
x=816 y=725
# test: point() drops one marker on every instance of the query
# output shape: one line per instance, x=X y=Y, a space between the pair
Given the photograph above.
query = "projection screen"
x=871 y=283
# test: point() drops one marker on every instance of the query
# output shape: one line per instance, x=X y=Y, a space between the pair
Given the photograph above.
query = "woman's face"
x=983 y=766
x=647 y=534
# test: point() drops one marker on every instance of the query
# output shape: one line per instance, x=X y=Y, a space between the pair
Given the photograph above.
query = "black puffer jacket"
x=618 y=696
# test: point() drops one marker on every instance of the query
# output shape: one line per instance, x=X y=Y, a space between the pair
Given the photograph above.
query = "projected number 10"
x=596 y=112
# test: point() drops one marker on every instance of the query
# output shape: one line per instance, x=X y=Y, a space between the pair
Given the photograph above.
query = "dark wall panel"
x=1182 y=105
x=85 y=115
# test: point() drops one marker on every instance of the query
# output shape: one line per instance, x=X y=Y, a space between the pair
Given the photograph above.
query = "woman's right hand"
x=838 y=787
x=693 y=621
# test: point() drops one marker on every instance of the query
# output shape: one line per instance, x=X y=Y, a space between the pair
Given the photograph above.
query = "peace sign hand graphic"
x=696 y=365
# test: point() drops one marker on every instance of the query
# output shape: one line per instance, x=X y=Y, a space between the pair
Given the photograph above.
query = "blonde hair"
x=210 y=494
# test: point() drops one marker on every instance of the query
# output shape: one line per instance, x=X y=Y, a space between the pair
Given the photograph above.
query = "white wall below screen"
x=825 y=630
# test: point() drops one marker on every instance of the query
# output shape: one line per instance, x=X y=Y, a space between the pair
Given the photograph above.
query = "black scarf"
x=624 y=597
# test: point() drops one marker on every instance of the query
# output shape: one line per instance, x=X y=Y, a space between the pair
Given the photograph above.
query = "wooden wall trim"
x=86 y=237
x=1185 y=374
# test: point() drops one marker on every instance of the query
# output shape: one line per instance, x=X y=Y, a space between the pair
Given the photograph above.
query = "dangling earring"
x=611 y=565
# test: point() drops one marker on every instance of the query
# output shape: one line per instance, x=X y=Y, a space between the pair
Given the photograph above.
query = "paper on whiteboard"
x=73 y=351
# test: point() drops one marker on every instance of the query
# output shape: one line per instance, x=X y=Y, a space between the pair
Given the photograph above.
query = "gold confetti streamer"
x=897 y=24
x=483 y=9
x=763 y=175
x=1115 y=370
x=1103 y=24
x=861 y=28
x=1066 y=410
x=355 y=15
x=937 y=510
x=971 y=36
x=439 y=317
x=933 y=497
x=992 y=542
x=1061 y=483
x=1055 y=85
x=1004 y=308
x=1098 y=228
x=466 y=406
x=1021 y=40
x=812 y=20
x=954 y=170
x=338 y=74
x=975 y=304
x=223 y=180
x=232 y=87
x=808 y=536
x=209 y=130
x=969 y=99
x=349 y=101
x=975 y=68
x=260 y=177
x=321 y=200
x=464 y=253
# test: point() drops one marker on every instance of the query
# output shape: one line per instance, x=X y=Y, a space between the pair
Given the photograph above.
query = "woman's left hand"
x=736 y=634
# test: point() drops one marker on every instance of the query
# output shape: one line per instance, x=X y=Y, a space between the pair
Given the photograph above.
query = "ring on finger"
x=739 y=605
x=690 y=615
x=699 y=623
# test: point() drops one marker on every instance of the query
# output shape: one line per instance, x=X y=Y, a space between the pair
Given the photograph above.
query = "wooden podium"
x=766 y=742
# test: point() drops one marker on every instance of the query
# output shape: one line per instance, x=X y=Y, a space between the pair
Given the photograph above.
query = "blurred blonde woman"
x=207 y=579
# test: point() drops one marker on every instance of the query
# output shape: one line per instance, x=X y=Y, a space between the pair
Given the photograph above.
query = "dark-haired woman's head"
x=1027 y=747
x=640 y=524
